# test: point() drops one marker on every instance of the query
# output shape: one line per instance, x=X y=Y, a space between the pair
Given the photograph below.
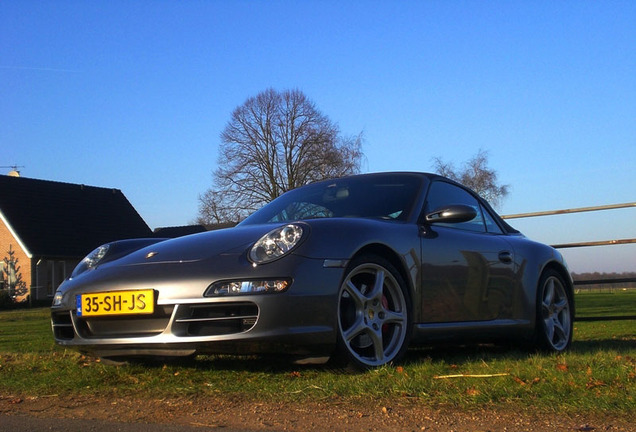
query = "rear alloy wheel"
x=554 y=313
x=373 y=314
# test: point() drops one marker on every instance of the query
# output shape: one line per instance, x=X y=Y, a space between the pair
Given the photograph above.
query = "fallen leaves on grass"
x=524 y=383
x=472 y=392
x=592 y=383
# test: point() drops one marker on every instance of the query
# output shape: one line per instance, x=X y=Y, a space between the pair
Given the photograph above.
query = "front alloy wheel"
x=554 y=314
x=373 y=314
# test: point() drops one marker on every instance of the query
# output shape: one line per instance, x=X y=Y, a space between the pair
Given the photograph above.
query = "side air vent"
x=215 y=319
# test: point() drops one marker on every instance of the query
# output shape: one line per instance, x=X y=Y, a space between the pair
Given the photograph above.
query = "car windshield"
x=390 y=196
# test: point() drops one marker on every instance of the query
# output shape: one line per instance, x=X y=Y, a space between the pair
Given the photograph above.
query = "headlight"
x=91 y=260
x=276 y=244
x=57 y=299
x=247 y=287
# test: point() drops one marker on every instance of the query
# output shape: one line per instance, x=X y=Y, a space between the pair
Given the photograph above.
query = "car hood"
x=197 y=247
x=177 y=268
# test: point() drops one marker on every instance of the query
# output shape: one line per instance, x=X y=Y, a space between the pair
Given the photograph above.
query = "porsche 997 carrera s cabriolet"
x=356 y=268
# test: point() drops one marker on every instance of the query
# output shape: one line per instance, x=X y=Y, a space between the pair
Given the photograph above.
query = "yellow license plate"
x=116 y=303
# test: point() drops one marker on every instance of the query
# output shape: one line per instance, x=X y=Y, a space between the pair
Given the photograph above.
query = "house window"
x=55 y=275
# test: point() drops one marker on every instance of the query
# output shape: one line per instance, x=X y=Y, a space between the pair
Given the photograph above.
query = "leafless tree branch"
x=475 y=174
x=274 y=142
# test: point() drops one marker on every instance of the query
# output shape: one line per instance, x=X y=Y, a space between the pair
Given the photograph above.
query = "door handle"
x=505 y=257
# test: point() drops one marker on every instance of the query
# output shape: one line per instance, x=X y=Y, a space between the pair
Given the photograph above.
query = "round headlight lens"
x=276 y=243
x=91 y=260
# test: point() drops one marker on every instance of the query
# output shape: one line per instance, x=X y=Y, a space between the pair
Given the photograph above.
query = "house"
x=47 y=227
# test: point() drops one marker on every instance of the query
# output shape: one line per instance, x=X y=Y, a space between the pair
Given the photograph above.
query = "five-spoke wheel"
x=373 y=314
x=554 y=313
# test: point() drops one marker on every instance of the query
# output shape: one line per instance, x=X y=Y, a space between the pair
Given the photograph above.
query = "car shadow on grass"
x=447 y=354
x=284 y=364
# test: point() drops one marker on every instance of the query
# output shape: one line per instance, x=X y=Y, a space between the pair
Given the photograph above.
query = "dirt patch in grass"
x=332 y=415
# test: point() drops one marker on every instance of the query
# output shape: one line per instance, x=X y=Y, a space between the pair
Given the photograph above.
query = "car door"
x=467 y=271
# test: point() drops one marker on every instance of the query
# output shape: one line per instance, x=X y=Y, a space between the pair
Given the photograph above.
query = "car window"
x=489 y=220
x=390 y=197
x=302 y=210
x=442 y=194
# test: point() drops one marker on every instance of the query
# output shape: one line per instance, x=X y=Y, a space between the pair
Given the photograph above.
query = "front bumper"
x=268 y=324
x=301 y=321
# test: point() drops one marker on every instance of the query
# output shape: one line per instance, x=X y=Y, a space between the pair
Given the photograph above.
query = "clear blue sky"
x=134 y=95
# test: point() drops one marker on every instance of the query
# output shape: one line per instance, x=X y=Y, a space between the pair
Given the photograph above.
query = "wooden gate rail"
x=588 y=244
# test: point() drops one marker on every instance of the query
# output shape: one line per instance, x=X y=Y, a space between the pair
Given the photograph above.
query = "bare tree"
x=475 y=174
x=274 y=142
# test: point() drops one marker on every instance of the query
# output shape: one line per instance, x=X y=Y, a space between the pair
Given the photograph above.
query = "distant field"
x=604 y=304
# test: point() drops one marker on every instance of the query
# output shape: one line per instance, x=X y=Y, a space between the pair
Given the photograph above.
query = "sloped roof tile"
x=56 y=219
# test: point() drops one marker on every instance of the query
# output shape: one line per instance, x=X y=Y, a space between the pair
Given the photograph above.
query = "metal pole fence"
x=595 y=282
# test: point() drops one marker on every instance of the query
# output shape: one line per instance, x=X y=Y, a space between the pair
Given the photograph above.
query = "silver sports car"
x=356 y=268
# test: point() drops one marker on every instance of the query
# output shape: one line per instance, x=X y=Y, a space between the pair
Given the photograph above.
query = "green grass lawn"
x=615 y=303
x=597 y=374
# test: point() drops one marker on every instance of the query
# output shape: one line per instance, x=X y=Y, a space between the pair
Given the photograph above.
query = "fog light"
x=247 y=287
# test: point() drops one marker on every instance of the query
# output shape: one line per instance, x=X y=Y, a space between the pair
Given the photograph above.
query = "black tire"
x=374 y=314
x=555 y=313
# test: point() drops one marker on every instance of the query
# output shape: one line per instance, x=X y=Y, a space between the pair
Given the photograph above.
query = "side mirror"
x=456 y=213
